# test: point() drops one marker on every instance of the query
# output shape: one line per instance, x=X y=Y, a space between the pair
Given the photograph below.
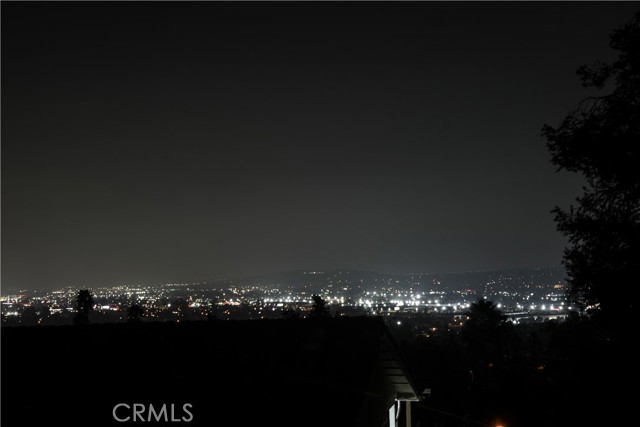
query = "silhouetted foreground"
x=236 y=373
x=600 y=139
x=572 y=373
x=326 y=371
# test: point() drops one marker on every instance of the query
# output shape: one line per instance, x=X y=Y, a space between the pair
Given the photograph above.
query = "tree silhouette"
x=135 y=313
x=485 y=331
x=601 y=140
x=319 y=307
x=45 y=312
x=484 y=322
x=84 y=305
x=290 y=314
x=30 y=316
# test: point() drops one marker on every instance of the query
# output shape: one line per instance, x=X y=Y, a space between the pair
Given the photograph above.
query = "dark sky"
x=165 y=142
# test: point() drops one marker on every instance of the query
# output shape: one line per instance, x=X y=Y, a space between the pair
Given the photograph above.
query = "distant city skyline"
x=523 y=293
x=161 y=143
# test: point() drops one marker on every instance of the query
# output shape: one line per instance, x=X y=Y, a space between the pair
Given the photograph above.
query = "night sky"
x=159 y=143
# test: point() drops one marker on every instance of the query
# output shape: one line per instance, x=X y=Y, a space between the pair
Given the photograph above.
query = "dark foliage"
x=319 y=308
x=84 y=301
x=84 y=305
x=600 y=139
x=539 y=371
x=135 y=313
x=485 y=327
